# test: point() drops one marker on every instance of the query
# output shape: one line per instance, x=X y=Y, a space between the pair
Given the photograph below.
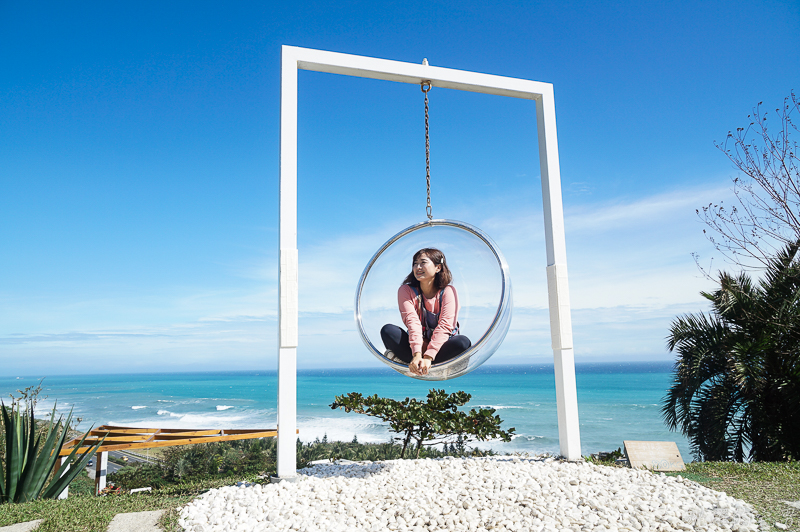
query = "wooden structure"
x=126 y=438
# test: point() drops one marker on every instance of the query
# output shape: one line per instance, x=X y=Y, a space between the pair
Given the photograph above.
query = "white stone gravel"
x=473 y=494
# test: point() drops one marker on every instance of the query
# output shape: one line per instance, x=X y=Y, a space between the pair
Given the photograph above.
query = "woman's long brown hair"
x=442 y=278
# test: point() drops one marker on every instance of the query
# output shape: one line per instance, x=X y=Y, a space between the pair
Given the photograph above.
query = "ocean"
x=616 y=401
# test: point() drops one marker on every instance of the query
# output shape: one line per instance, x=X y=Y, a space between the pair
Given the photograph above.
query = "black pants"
x=396 y=340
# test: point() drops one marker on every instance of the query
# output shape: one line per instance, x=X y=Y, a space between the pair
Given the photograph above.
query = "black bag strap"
x=427 y=332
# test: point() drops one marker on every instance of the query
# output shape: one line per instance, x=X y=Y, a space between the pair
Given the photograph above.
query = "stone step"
x=21 y=527
x=136 y=522
x=130 y=522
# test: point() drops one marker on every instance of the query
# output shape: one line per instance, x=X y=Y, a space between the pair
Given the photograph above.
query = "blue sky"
x=139 y=168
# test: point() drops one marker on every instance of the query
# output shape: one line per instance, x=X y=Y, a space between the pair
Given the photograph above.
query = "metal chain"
x=423 y=85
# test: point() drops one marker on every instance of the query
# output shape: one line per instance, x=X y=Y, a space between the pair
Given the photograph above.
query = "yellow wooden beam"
x=173 y=437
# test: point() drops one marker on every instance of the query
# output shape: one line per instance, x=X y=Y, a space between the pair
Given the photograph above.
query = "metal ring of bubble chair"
x=489 y=341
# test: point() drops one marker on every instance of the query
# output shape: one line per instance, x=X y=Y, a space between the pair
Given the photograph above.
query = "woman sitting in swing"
x=429 y=309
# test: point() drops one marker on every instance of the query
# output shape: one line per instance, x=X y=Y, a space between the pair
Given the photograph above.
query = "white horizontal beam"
x=370 y=67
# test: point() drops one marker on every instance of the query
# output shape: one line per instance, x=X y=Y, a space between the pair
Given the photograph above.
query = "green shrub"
x=189 y=463
x=139 y=476
x=373 y=452
x=437 y=420
x=192 y=464
x=606 y=457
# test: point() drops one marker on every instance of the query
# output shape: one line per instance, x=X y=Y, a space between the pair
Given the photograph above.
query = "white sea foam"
x=526 y=437
x=138 y=407
x=500 y=407
x=367 y=430
x=188 y=421
x=529 y=437
x=206 y=421
x=223 y=407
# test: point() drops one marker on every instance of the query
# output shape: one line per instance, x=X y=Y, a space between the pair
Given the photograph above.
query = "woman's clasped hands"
x=420 y=364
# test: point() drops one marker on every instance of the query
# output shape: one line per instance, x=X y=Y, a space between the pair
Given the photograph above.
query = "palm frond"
x=736 y=386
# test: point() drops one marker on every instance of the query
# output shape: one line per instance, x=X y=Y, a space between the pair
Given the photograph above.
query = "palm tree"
x=736 y=388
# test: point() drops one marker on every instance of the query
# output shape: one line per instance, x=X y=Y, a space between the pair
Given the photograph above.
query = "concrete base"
x=21 y=527
x=275 y=480
x=136 y=522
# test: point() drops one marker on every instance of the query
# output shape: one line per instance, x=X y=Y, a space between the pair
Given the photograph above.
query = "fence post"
x=64 y=494
x=101 y=467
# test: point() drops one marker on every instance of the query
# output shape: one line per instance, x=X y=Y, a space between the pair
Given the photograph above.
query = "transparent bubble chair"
x=480 y=276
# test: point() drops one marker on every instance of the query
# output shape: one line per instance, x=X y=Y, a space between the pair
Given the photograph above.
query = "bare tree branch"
x=766 y=214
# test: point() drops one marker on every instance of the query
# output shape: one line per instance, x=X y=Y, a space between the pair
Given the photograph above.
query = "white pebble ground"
x=475 y=494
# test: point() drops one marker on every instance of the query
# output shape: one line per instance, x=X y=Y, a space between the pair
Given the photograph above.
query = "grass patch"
x=765 y=485
x=169 y=520
x=86 y=513
x=82 y=513
x=700 y=478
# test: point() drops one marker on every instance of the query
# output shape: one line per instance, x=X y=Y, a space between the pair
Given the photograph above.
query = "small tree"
x=438 y=420
x=766 y=215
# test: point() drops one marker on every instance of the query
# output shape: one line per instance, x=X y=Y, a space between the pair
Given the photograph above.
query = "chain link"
x=426 y=86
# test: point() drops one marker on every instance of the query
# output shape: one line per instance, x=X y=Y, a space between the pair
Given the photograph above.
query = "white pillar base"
x=274 y=480
x=64 y=494
x=101 y=468
x=569 y=435
x=287 y=412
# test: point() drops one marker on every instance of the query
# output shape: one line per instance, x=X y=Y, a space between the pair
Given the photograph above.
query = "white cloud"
x=651 y=210
x=630 y=273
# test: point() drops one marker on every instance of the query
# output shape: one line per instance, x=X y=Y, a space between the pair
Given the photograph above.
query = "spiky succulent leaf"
x=3 y=475
x=15 y=458
x=44 y=464
x=64 y=477
x=26 y=481
x=29 y=461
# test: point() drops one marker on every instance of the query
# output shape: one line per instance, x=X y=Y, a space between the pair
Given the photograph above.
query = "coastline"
x=616 y=401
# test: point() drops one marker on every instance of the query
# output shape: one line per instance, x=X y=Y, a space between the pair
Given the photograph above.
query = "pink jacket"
x=448 y=318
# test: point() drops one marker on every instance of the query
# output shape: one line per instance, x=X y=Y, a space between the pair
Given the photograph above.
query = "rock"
x=496 y=493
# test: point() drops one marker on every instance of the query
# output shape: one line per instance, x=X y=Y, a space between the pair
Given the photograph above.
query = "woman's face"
x=424 y=269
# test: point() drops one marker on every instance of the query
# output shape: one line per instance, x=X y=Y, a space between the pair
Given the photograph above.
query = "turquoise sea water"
x=616 y=401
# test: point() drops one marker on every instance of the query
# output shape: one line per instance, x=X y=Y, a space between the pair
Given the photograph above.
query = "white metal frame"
x=294 y=59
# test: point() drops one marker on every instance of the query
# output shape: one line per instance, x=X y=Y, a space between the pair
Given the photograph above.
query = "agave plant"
x=29 y=461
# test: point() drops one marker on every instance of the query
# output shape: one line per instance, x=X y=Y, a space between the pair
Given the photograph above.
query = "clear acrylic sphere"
x=480 y=277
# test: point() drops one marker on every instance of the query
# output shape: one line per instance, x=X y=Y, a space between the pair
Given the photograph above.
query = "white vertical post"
x=100 y=471
x=288 y=285
x=557 y=287
x=64 y=494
